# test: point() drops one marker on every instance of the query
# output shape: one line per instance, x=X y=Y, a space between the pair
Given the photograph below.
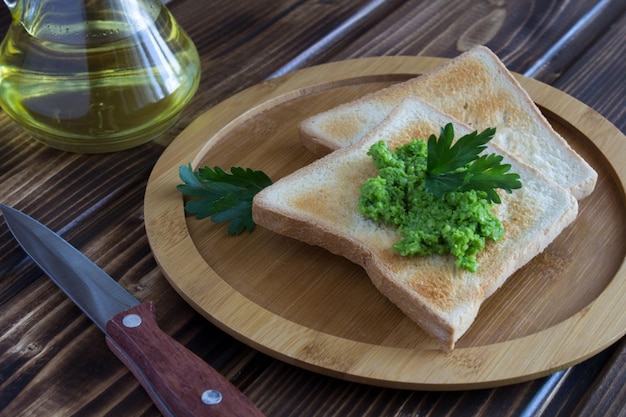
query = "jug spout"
x=11 y=4
x=16 y=6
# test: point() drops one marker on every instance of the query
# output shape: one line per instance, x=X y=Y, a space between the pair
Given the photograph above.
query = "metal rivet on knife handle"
x=211 y=397
x=131 y=321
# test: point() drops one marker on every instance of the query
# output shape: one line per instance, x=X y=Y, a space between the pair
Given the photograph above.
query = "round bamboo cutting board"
x=310 y=308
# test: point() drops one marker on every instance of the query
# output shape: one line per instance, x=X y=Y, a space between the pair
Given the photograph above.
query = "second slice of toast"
x=318 y=204
x=478 y=90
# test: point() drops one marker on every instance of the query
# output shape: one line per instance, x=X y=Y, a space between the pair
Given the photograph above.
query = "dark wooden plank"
x=598 y=77
x=58 y=188
x=55 y=363
x=564 y=397
x=607 y=395
x=245 y=44
x=300 y=393
x=521 y=33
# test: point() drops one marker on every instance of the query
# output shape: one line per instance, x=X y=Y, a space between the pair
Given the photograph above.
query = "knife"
x=179 y=382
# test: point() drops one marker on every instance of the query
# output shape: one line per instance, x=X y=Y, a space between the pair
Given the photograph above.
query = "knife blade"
x=179 y=382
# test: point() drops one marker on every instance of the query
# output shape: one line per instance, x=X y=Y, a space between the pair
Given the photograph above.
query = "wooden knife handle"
x=177 y=380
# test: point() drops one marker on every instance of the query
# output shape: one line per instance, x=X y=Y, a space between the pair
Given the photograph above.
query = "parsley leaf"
x=223 y=196
x=460 y=167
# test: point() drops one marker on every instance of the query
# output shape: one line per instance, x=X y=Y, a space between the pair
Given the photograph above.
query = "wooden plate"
x=310 y=308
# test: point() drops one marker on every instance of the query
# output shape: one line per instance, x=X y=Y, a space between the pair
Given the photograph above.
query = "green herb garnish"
x=223 y=196
x=459 y=167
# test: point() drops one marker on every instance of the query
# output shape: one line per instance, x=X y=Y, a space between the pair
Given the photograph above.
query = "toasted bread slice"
x=318 y=204
x=478 y=90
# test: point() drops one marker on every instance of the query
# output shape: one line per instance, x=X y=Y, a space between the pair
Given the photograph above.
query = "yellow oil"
x=100 y=85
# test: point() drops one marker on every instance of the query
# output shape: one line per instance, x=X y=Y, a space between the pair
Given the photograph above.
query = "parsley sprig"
x=223 y=196
x=460 y=167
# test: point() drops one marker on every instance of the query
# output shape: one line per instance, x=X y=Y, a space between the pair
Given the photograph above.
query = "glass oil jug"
x=95 y=76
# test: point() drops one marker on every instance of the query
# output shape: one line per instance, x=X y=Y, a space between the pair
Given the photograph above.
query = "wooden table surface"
x=53 y=360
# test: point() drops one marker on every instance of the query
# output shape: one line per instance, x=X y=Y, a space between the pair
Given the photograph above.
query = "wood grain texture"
x=241 y=46
x=521 y=33
x=607 y=395
x=55 y=363
x=269 y=290
x=589 y=77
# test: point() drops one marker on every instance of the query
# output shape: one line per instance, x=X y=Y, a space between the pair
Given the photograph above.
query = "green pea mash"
x=458 y=223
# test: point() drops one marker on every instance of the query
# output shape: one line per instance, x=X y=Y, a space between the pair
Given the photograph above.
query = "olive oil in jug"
x=93 y=75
